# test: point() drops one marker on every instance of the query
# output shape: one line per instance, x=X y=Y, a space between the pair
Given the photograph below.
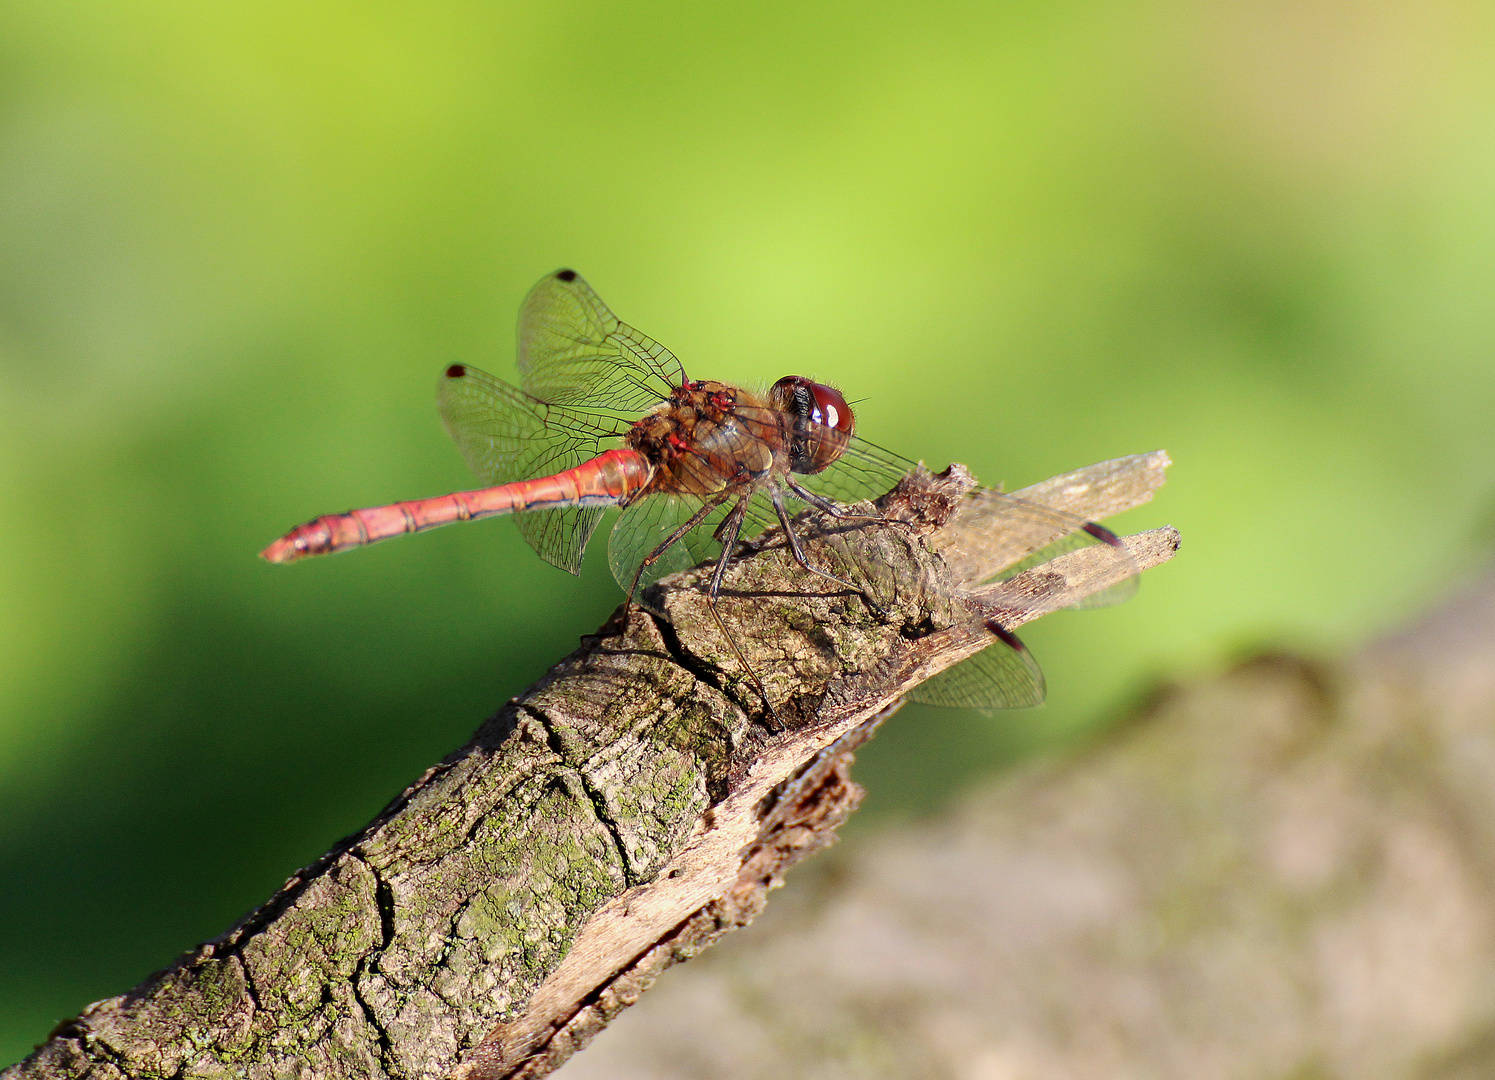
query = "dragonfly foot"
x=771 y=722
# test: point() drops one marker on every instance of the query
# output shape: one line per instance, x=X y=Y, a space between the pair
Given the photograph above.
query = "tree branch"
x=618 y=816
x=1285 y=868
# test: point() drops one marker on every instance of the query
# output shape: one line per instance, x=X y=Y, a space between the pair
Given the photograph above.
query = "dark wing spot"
x=1007 y=637
x=566 y=275
x=456 y=371
x=1103 y=534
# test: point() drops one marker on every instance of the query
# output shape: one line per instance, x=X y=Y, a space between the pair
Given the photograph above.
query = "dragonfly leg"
x=668 y=542
x=828 y=506
x=728 y=533
x=792 y=539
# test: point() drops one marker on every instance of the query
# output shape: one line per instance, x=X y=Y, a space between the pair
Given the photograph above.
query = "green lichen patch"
x=204 y=1004
x=443 y=814
x=473 y=935
x=646 y=738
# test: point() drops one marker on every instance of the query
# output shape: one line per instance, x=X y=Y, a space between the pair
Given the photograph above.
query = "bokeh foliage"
x=238 y=242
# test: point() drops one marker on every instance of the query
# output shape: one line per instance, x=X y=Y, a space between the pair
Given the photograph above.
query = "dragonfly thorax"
x=707 y=437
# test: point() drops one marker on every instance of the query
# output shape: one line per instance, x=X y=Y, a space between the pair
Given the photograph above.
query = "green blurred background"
x=239 y=241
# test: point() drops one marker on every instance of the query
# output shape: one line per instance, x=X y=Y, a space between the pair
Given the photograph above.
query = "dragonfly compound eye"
x=819 y=421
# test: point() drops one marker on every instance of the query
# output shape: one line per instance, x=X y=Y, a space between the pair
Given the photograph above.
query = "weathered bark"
x=1286 y=870
x=618 y=816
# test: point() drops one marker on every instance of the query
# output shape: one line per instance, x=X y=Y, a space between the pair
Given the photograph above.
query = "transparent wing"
x=1003 y=675
x=1032 y=534
x=1028 y=534
x=560 y=536
x=574 y=351
x=1122 y=591
x=507 y=435
x=642 y=527
x=863 y=471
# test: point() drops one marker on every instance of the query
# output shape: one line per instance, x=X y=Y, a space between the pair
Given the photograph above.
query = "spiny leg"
x=669 y=542
x=828 y=506
x=730 y=529
x=728 y=533
x=792 y=539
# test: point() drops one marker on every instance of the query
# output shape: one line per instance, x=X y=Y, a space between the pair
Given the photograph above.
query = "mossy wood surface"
x=617 y=817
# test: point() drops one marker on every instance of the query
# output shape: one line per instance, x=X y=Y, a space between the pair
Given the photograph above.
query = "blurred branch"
x=617 y=817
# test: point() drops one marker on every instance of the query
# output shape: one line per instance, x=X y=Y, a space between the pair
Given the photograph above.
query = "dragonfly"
x=606 y=417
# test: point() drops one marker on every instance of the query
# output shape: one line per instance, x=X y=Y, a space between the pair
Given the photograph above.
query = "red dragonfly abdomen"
x=602 y=481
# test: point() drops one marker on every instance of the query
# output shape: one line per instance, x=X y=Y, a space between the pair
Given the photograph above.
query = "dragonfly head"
x=819 y=421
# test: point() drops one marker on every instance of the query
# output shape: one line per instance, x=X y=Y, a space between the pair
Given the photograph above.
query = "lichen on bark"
x=616 y=817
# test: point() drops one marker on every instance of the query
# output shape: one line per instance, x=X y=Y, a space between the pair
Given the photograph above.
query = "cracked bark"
x=1284 y=869
x=616 y=818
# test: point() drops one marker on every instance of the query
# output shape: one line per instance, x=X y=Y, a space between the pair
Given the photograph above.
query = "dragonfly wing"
x=1030 y=533
x=574 y=351
x=863 y=471
x=1000 y=676
x=560 y=536
x=640 y=529
x=646 y=524
x=1122 y=591
x=1026 y=534
x=507 y=435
